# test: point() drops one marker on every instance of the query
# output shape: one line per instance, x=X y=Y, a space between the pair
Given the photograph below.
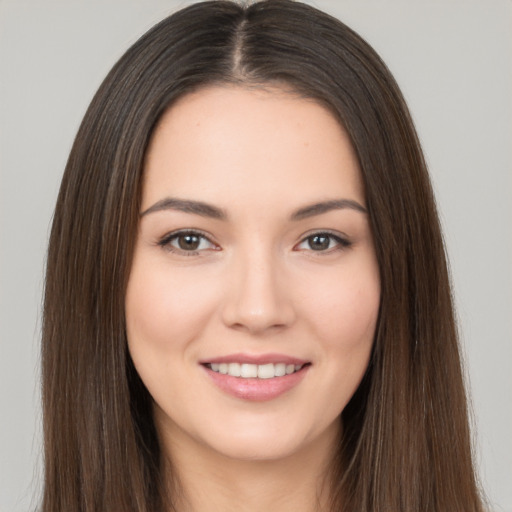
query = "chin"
x=259 y=449
x=264 y=442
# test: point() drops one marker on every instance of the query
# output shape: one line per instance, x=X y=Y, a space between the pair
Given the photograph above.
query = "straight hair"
x=406 y=442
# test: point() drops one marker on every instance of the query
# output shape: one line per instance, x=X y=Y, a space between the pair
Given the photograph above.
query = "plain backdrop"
x=453 y=60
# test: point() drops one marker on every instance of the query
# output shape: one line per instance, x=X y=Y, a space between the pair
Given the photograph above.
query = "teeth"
x=279 y=369
x=252 y=371
x=234 y=369
x=266 y=371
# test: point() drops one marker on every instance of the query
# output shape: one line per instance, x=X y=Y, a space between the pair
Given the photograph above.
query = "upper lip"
x=258 y=359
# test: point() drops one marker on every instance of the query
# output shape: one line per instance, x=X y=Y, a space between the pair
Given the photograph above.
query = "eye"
x=190 y=242
x=323 y=242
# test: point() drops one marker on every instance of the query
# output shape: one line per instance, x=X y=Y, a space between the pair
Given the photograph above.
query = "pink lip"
x=255 y=359
x=258 y=390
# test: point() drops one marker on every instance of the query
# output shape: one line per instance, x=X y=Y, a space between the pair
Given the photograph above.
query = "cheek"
x=165 y=310
x=165 y=314
x=345 y=309
x=345 y=321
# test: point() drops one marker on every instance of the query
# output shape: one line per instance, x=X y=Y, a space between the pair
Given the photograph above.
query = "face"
x=254 y=292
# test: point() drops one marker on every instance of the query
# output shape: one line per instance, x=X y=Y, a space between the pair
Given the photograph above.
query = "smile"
x=254 y=371
x=256 y=377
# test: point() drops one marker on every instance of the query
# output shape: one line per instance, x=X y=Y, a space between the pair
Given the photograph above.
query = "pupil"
x=188 y=242
x=319 y=242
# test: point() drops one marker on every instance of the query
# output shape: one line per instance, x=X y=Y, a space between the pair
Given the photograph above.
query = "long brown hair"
x=406 y=442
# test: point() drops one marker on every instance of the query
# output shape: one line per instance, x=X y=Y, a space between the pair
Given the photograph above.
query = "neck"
x=206 y=480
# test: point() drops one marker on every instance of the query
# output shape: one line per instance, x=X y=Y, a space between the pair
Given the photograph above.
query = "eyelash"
x=342 y=243
x=166 y=242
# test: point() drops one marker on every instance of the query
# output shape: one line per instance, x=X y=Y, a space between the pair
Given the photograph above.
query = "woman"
x=247 y=302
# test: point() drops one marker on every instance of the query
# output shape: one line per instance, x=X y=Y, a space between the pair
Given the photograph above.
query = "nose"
x=258 y=299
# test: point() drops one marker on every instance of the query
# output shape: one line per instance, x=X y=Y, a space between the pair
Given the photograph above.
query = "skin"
x=254 y=285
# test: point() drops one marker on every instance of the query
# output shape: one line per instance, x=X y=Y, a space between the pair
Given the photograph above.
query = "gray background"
x=453 y=60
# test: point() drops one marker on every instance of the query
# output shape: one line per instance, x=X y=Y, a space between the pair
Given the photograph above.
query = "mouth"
x=256 y=371
x=256 y=378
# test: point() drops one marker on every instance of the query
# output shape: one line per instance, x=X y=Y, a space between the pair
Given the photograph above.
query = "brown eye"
x=188 y=242
x=319 y=242
x=324 y=242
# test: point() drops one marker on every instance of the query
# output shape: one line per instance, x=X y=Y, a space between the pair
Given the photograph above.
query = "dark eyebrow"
x=187 y=206
x=208 y=210
x=327 y=206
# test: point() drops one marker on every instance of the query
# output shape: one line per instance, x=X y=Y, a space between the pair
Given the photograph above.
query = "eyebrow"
x=208 y=210
x=327 y=206
x=187 y=206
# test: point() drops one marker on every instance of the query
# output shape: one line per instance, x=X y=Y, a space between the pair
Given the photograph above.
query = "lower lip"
x=257 y=390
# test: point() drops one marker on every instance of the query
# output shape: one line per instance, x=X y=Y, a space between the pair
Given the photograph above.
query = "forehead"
x=227 y=142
